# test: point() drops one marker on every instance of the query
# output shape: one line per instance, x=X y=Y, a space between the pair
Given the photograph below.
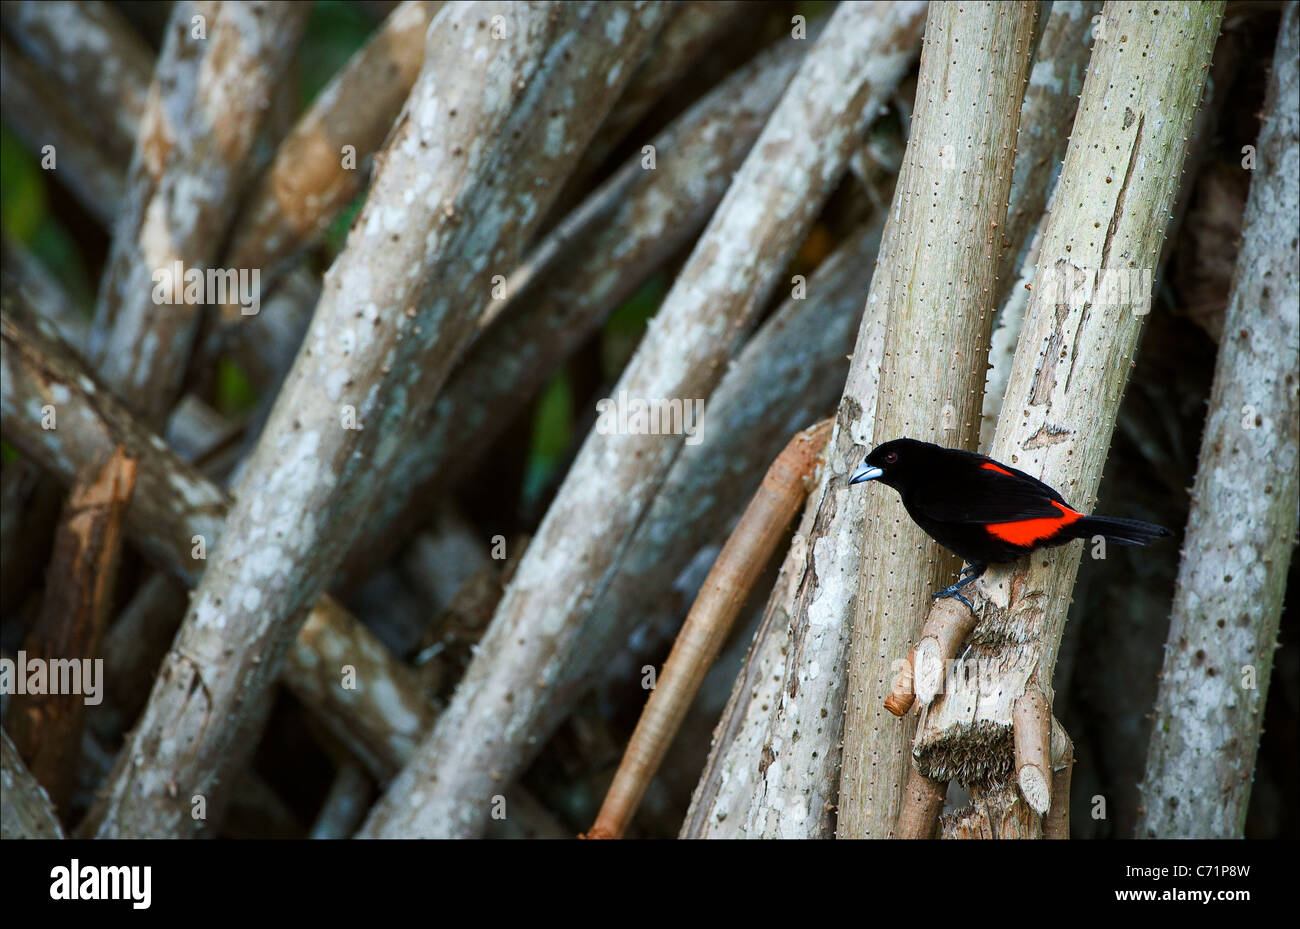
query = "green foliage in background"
x=554 y=420
x=335 y=31
x=25 y=214
x=626 y=325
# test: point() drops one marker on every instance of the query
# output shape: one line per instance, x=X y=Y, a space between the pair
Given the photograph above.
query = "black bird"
x=983 y=510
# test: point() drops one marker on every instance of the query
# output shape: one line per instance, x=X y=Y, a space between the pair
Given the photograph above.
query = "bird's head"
x=889 y=461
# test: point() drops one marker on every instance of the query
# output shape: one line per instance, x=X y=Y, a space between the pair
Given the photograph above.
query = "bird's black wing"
x=985 y=491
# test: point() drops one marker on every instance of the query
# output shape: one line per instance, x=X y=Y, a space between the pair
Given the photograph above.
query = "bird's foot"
x=949 y=592
x=968 y=574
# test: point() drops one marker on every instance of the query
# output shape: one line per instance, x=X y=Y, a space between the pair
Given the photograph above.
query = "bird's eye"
x=891 y=457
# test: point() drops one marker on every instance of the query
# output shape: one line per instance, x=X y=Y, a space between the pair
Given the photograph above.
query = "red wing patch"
x=990 y=466
x=1029 y=531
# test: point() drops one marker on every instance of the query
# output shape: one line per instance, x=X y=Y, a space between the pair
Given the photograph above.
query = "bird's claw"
x=968 y=575
x=950 y=592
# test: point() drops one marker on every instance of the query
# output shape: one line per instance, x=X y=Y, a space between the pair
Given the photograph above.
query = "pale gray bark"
x=696 y=26
x=174 y=511
x=488 y=732
x=937 y=282
x=1120 y=646
x=308 y=182
x=43 y=292
x=90 y=50
x=398 y=307
x=1241 y=531
x=25 y=812
x=1045 y=119
x=656 y=214
x=40 y=121
x=265 y=345
x=202 y=116
x=1115 y=191
x=1013 y=292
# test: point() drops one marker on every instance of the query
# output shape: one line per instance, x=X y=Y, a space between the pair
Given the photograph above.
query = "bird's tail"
x=1120 y=531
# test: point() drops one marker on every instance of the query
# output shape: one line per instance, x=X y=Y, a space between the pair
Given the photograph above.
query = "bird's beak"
x=865 y=472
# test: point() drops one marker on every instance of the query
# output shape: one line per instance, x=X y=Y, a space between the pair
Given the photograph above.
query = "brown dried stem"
x=918 y=817
x=397 y=310
x=1046 y=115
x=903 y=694
x=946 y=627
x=737 y=567
x=318 y=168
x=1031 y=728
x=734 y=268
x=46 y=726
x=176 y=516
x=1056 y=824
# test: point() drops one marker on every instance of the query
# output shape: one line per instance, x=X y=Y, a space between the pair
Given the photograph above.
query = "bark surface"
x=397 y=309
x=1090 y=294
x=176 y=517
x=26 y=812
x=489 y=730
x=202 y=116
x=938 y=285
x=1228 y=601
